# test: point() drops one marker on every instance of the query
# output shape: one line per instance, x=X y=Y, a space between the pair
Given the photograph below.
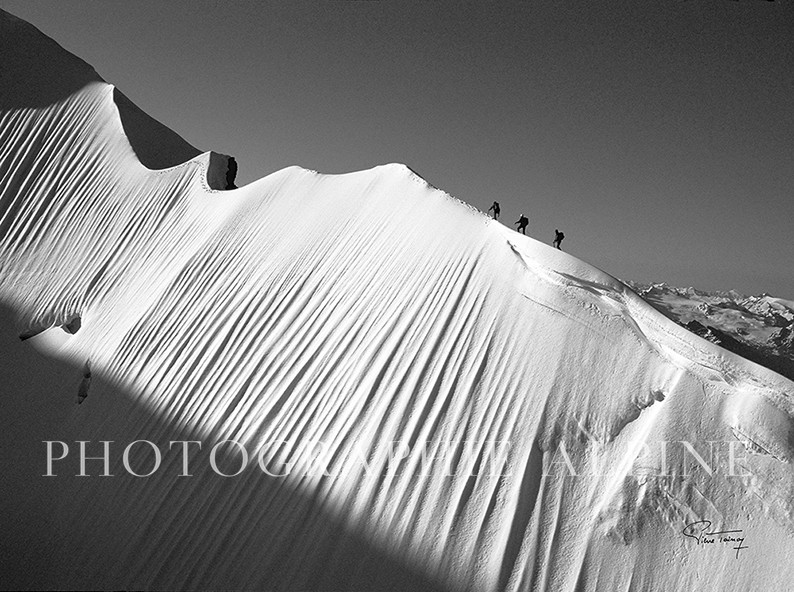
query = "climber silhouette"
x=558 y=236
x=522 y=224
x=496 y=210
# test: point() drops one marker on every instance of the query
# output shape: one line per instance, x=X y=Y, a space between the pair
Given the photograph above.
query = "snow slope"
x=393 y=324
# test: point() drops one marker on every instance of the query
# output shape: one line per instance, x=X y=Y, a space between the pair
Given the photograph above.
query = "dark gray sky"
x=657 y=134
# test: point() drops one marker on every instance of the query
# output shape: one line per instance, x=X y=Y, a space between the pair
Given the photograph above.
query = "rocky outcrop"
x=221 y=171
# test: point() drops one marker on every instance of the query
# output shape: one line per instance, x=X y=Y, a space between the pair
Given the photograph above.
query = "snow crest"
x=367 y=312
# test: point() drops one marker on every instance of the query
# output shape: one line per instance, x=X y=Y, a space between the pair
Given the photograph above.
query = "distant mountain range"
x=759 y=328
x=351 y=382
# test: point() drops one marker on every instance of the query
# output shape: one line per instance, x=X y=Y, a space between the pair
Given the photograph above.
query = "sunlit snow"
x=366 y=312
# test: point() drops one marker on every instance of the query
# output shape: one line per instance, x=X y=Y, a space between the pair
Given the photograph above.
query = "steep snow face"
x=429 y=400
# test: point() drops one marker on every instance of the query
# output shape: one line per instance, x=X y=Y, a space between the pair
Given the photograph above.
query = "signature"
x=700 y=531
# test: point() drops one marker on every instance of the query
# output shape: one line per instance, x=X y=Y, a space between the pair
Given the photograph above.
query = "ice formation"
x=392 y=326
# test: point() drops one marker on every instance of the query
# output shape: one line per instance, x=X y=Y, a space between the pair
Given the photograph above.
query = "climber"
x=558 y=236
x=522 y=222
x=496 y=210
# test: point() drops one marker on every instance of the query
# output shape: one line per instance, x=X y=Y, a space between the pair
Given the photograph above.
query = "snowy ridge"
x=362 y=310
